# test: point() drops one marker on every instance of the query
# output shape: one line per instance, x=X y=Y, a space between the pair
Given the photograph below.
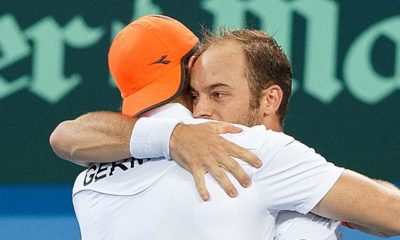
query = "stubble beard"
x=251 y=117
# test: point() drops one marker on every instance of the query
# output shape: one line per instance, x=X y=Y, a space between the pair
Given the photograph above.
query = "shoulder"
x=258 y=137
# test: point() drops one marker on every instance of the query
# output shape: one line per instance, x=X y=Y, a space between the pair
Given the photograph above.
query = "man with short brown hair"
x=266 y=63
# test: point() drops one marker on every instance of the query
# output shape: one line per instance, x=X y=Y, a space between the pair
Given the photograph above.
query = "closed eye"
x=194 y=96
x=219 y=96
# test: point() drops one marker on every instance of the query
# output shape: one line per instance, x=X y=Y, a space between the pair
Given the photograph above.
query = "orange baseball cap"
x=147 y=61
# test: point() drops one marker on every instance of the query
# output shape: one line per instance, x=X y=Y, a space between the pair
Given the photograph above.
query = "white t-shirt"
x=157 y=199
x=296 y=226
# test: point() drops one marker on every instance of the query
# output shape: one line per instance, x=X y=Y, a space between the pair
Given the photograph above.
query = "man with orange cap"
x=155 y=73
x=109 y=185
x=149 y=63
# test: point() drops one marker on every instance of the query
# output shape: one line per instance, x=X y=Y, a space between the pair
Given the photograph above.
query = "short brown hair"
x=266 y=62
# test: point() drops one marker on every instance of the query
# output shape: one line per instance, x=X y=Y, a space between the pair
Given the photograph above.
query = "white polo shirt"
x=296 y=226
x=157 y=199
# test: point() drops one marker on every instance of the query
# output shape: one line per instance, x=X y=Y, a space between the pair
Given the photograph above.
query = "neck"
x=273 y=123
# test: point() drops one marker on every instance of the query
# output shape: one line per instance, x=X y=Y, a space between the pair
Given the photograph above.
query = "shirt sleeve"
x=295 y=178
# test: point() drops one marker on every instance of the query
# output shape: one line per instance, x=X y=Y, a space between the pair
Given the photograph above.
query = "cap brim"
x=159 y=92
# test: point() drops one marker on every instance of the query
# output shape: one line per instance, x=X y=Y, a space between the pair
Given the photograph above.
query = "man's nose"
x=202 y=109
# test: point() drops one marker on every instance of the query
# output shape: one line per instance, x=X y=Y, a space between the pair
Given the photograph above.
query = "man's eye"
x=218 y=95
x=194 y=97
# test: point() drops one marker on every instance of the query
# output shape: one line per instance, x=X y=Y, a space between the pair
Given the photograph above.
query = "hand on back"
x=200 y=149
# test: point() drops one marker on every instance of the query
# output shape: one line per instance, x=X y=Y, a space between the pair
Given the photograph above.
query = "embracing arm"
x=363 y=202
x=97 y=136
x=108 y=137
x=298 y=179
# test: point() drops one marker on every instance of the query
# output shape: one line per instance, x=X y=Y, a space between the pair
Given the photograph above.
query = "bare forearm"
x=93 y=137
x=363 y=202
x=373 y=231
x=387 y=184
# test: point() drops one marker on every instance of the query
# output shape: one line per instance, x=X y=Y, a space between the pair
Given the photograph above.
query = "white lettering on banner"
x=48 y=55
x=48 y=80
x=276 y=17
x=14 y=47
x=144 y=7
x=363 y=82
x=235 y=16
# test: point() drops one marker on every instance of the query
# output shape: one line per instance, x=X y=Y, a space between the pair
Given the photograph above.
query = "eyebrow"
x=212 y=87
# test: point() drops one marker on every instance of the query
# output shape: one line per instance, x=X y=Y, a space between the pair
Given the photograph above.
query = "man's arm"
x=296 y=178
x=363 y=202
x=93 y=137
x=387 y=184
x=106 y=137
x=364 y=229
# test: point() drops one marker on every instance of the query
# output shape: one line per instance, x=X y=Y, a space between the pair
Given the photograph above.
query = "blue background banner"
x=45 y=212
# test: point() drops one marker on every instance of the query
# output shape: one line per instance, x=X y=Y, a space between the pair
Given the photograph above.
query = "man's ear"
x=271 y=99
x=191 y=62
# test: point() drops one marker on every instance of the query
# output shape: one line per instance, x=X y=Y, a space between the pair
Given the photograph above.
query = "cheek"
x=234 y=111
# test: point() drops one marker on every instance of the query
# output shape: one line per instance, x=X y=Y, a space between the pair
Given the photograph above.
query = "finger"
x=222 y=127
x=232 y=166
x=220 y=176
x=201 y=185
x=244 y=154
x=229 y=128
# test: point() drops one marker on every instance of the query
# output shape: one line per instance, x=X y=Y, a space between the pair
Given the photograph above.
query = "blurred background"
x=53 y=67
